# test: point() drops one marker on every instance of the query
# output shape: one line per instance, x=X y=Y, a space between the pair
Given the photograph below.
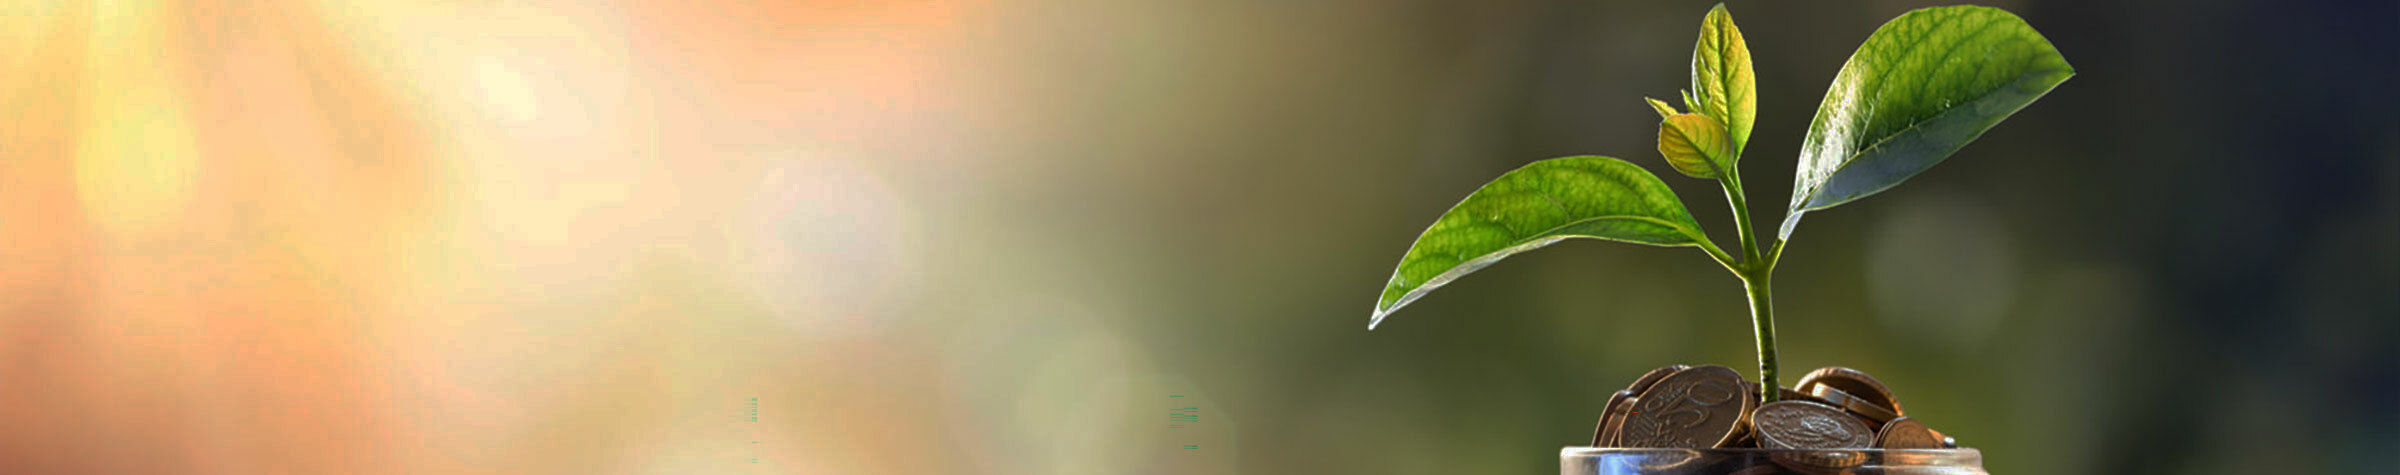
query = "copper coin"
x=1611 y=417
x=1864 y=390
x=1808 y=425
x=1906 y=433
x=1614 y=418
x=1700 y=407
x=1875 y=414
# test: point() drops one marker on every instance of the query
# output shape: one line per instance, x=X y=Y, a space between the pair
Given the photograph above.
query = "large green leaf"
x=1542 y=203
x=1922 y=86
x=1722 y=81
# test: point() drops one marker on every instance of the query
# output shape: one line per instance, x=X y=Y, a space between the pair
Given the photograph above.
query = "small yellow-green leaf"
x=1723 y=85
x=1545 y=202
x=1695 y=144
x=1664 y=110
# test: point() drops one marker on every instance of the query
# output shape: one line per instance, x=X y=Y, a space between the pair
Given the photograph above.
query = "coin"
x=1699 y=407
x=1611 y=417
x=1906 y=433
x=1808 y=425
x=1854 y=390
x=1875 y=414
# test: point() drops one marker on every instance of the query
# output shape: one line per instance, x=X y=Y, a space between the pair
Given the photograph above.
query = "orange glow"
x=395 y=237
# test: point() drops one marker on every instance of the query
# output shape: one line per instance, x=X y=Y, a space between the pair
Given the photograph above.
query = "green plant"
x=1923 y=85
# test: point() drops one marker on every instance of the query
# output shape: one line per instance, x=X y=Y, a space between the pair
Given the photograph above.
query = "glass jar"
x=1612 y=461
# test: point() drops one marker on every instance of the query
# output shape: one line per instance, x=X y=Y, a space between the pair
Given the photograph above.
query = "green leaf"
x=1542 y=203
x=1664 y=110
x=1695 y=145
x=1922 y=86
x=1722 y=83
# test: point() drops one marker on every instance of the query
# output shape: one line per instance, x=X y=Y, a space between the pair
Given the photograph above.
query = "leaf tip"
x=1664 y=110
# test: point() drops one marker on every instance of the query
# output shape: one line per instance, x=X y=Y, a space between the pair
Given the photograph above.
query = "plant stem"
x=1762 y=324
x=1731 y=263
x=1741 y=217
x=1756 y=270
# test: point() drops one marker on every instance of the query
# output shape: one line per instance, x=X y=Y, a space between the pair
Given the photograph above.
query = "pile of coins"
x=1711 y=406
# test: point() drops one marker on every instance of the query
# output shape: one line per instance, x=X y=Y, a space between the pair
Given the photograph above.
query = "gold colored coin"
x=1906 y=433
x=1866 y=396
x=1808 y=425
x=1696 y=408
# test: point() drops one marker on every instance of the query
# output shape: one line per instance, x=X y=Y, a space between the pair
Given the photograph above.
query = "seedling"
x=1921 y=86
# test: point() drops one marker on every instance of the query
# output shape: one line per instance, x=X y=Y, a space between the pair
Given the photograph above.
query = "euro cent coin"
x=1863 y=391
x=1906 y=433
x=1876 y=414
x=1808 y=425
x=1612 y=416
x=1699 y=407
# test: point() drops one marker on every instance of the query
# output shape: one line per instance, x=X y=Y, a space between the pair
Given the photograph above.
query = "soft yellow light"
x=135 y=157
x=505 y=92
